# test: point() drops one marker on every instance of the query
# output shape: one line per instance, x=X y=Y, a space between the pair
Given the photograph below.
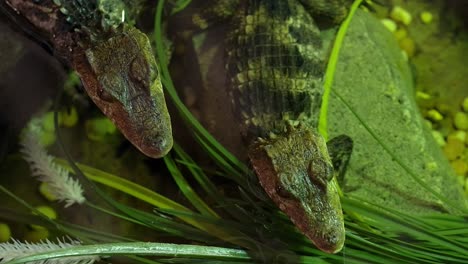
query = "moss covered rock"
x=375 y=81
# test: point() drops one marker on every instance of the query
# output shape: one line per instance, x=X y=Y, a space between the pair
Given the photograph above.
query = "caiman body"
x=275 y=73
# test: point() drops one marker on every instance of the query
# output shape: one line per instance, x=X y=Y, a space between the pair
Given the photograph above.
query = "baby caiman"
x=114 y=60
x=275 y=71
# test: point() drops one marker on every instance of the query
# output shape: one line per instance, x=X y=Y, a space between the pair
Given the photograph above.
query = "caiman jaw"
x=295 y=171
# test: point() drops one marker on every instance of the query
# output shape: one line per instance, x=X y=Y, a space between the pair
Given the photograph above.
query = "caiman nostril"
x=157 y=146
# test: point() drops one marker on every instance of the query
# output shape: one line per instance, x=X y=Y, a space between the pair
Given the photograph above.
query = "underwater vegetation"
x=400 y=200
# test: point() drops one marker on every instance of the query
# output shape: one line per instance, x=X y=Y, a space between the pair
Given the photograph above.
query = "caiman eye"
x=283 y=193
x=139 y=71
x=106 y=96
x=320 y=172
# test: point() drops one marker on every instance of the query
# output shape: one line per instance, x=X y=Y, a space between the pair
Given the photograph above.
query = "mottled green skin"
x=296 y=172
x=275 y=74
x=99 y=17
x=128 y=88
x=131 y=93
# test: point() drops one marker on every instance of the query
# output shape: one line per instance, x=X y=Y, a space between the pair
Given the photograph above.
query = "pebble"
x=461 y=120
x=458 y=134
x=407 y=44
x=459 y=166
x=98 y=129
x=439 y=138
x=400 y=14
x=443 y=108
x=48 y=122
x=5 y=232
x=423 y=95
x=48 y=212
x=44 y=190
x=35 y=236
x=426 y=17
x=400 y=33
x=454 y=148
x=389 y=24
x=465 y=104
x=434 y=115
x=68 y=118
x=47 y=138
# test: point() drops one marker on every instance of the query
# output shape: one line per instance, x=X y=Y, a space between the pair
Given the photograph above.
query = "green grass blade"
x=197 y=173
x=134 y=190
x=185 y=113
x=331 y=68
x=125 y=186
x=403 y=234
x=231 y=171
x=142 y=249
x=187 y=190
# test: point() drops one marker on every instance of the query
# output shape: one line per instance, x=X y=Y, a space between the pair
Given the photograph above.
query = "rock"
x=460 y=120
x=458 y=134
x=389 y=24
x=459 y=166
x=434 y=115
x=454 y=148
x=426 y=17
x=376 y=83
x=400 y=14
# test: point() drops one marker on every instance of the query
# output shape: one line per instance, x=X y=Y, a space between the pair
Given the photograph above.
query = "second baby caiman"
x=275 y=71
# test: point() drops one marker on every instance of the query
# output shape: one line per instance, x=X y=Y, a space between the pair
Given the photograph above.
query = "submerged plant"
x=60 y=184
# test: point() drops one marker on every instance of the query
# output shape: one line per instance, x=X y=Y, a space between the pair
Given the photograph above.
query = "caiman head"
x=296 y=172
x=122 y=79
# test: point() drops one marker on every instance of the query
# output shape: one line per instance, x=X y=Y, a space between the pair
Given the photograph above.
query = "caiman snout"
x=157 y=146
x=125 y=85
x=332 y=242
x=295 y=171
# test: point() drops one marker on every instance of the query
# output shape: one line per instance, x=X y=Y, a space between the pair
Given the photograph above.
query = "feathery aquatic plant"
x=16 y=249
x=60 y=184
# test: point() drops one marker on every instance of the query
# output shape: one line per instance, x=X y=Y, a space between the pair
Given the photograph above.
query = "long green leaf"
x=143 y=249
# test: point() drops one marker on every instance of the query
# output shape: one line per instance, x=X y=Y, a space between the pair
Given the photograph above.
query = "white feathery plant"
x=60 y=184
x=16 y=249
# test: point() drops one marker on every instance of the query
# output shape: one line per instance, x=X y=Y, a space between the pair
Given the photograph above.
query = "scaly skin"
x=130 y=92
x=276 y=73
x=114 y=61
x=295 y=171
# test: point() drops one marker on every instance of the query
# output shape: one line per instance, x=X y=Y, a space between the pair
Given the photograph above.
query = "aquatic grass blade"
x=134 y=190
x=141 y=249
x=185 y=113
x=207 y=185
x=186 y=189
x=331 y=68
x=125 y=186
